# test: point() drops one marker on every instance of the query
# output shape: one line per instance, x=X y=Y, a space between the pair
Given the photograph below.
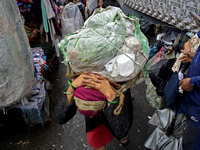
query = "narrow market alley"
x=72 y=135
x=72 y=70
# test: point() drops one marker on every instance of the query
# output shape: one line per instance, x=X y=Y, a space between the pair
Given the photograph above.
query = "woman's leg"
x=102 y=148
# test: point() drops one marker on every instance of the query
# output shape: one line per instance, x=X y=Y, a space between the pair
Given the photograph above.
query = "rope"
x=118 y=110
x=116 y=47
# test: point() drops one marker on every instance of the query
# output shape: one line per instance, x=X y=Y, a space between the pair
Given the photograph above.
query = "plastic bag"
x=103 y=38
x=97 y=43
x=71 y=19
x=153 y=50
x=156 y=58
x=160 y=74
x=148 y=28
x=121 y=65
x=153 y=98
x=16 y=69
x=171 y=35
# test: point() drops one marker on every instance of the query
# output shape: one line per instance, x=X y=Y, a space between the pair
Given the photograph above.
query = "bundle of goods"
x=110 y=44
x=16 y=69
x=35 y=107
x=24 y=6
x=40 y=62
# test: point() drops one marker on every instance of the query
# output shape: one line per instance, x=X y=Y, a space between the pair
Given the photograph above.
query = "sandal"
x=48 y=121
x=124 y=141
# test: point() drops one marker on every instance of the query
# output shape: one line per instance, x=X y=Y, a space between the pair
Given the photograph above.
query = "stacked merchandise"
x=110 y=44
x=24 y=6
x=35 y=107
x=45 y=14
x=17 y=79
x=169 y=125
x=163 y=53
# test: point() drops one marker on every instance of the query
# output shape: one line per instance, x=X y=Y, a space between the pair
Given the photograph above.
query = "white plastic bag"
x=121 y=65
x=71 y=19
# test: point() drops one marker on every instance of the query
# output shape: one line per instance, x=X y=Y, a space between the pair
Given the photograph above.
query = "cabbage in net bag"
x=110 y=44
x=97 y=43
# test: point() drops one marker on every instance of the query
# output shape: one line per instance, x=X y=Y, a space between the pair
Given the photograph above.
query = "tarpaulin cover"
x=16 y=69
x=71 y=19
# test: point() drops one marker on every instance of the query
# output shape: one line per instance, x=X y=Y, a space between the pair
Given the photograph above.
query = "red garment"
x=99 y=136
x=33 y=40
x=24 y=1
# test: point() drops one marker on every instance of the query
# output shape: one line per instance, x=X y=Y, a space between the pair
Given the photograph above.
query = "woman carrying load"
x=90 y=86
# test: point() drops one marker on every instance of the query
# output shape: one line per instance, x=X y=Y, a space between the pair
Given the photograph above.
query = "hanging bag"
x=160 y=74
x=63 y=111
x=119 y=124
x=171 y=91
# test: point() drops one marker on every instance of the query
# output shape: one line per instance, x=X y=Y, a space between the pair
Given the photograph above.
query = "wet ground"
x=16 y=135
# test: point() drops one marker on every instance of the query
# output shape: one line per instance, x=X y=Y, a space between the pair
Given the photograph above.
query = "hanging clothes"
x=44 y=17
x=53 y=33
x=49 y=10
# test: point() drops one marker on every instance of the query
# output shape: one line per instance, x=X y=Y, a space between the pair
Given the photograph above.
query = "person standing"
x=190 y=104
x=71 y=19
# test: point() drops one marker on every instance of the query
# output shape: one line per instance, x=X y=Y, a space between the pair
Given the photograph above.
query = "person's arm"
x=75 y=84
x=92 y=81
x=185 y=84
x=195 y=81
x=33 y=35
x=101 y=84
x=31 y=39
x=187 y=46
x=187 y=57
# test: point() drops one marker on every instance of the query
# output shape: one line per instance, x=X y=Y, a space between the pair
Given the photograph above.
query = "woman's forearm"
x=70 y=96
x=187 y=46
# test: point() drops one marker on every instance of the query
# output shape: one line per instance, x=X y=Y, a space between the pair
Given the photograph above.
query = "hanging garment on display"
x=49 y=10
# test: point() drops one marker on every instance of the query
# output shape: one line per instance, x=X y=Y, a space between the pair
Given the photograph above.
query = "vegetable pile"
x=107 y=34
x=96 y=44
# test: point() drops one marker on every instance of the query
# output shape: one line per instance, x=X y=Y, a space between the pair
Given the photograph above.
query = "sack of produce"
x=110 y=44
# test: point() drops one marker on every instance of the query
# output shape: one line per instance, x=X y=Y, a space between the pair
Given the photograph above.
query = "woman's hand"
x=185 y=85
x=77 y=83
x=187 y=57
x=35 y=32
x=101 y=84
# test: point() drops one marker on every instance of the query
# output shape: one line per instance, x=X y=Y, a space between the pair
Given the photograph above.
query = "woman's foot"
x=124 y=141
x=48 y=121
